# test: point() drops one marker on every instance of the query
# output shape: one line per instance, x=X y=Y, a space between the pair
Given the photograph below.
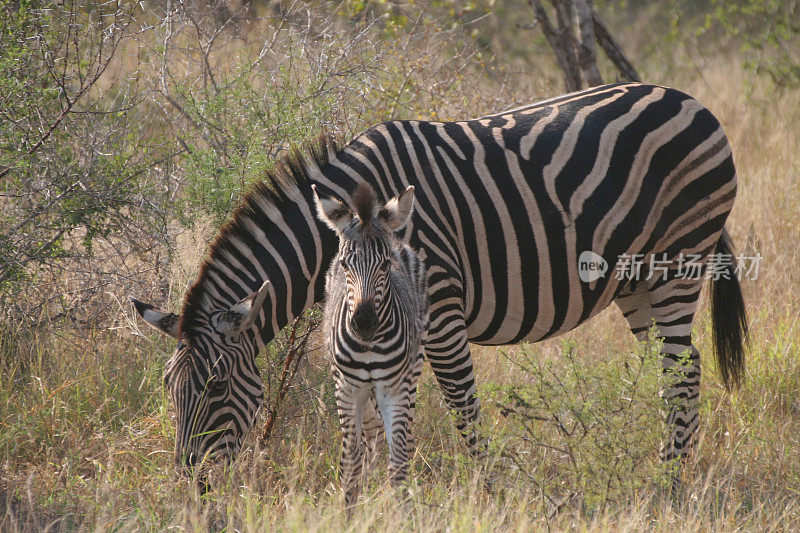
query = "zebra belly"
x=514 y=322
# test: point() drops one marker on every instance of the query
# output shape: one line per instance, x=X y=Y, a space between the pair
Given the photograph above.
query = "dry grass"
x=86 y=433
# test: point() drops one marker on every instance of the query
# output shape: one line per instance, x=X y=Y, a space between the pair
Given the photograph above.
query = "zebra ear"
x=397 y=211
x=332 y=211
x=163 y=321
x=242 y=315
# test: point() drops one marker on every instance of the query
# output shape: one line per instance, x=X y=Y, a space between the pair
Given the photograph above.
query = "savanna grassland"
x=125 y=190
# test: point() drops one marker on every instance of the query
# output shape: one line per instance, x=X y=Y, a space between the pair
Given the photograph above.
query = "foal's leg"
x=373 y=434
x=350 y=402
x=397 y=405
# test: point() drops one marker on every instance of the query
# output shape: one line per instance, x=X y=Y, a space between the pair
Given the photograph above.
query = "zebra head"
x=212 y=378
x=367 y=248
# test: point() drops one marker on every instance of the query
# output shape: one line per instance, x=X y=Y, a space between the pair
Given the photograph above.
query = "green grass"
x=86 y=433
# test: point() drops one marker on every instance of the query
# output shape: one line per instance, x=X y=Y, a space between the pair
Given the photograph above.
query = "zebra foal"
x=376 y=315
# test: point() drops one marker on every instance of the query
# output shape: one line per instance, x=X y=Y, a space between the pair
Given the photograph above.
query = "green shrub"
x=586 y=430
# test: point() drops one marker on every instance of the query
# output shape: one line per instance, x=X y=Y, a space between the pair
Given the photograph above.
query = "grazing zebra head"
x=213 y=411
x=367 y=247
x=230 y=312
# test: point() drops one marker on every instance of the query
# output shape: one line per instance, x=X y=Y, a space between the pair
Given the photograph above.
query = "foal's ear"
x=332 y=211
x=163 y=321
x=397 y=211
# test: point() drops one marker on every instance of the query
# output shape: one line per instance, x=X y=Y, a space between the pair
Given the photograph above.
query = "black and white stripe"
x=504 y=206
x=376 y=314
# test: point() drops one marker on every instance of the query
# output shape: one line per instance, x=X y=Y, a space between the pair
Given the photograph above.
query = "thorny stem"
x=294 y=353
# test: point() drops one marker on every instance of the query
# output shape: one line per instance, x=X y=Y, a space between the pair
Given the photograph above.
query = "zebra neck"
x=295 y=250
x=274 y=236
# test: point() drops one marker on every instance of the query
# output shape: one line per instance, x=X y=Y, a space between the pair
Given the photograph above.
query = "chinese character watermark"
x=638 y=267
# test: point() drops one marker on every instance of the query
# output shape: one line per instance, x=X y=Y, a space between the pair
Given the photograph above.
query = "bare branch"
x=614 y=51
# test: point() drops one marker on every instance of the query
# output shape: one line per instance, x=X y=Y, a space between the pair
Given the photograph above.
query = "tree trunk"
x=569 y=43
x=562 y=46
x=577 y=55
x=587 y=58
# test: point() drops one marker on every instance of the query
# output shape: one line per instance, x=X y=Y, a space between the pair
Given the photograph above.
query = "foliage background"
x=128 y=131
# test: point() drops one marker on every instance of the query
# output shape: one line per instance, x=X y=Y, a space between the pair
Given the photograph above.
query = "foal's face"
x=366 y=261
x=367 y=247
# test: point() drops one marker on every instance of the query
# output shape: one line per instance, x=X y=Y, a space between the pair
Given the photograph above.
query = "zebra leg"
x=634 y=302
x=416 y=371
x=447 y=350
x=350 y=403
x=373 y=434
x=396 y=405
x=670 y=304
x=674 y=303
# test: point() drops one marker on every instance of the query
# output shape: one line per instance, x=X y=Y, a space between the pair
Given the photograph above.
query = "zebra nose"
x=365 y=320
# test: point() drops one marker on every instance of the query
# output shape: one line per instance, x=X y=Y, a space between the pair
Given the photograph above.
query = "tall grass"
x=86 y=430
x=87 y=435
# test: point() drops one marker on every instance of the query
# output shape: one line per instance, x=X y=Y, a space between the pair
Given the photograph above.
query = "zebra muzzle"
x=365 y=320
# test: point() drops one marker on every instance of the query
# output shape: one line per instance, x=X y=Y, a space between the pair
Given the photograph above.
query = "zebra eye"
x=386 y=264
x=343 y=265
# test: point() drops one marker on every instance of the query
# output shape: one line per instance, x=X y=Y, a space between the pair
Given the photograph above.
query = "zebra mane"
x=280 y=186
x=364 y=202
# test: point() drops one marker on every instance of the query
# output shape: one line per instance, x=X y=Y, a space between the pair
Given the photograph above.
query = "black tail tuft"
x=728 y=316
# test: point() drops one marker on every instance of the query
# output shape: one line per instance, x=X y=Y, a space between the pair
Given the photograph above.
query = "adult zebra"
x=505 y=206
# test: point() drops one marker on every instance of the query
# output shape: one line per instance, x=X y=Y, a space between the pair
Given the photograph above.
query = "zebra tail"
x=728 y=316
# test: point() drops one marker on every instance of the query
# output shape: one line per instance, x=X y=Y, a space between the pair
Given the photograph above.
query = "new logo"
x=591 y=266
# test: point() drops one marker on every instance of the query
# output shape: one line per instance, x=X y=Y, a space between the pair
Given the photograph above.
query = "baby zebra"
x=376 y=319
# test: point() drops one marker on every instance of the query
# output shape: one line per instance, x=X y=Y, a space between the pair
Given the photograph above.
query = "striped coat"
x=507 y=206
